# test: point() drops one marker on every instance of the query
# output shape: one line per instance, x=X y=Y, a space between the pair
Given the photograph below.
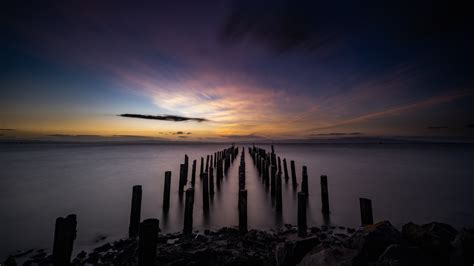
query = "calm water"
x=39 y=182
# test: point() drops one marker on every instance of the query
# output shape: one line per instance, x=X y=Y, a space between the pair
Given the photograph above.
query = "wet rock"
x=329 y=256
x=403 y=255
x=81 y=255
x=351 y=230
x=291 y=252
x=433 y=245
x=371 y=241
x=315 y=230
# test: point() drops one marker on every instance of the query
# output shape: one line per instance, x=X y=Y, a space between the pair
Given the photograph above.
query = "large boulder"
x=291 y=252
x=329 y=256
x=432 y=240
x=463 y=244
x=371 y=241
x=403 y=255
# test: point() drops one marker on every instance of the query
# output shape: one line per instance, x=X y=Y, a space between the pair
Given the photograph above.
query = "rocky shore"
x=379 y=244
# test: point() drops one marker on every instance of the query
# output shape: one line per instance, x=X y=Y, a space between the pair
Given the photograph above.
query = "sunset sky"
x=248 y=70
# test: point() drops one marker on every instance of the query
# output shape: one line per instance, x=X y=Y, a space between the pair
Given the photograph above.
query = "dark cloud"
x=174 y=118
x=437 y=127
x=181 y=133
x=251 y=136
x=337 y=134
x=183 y=137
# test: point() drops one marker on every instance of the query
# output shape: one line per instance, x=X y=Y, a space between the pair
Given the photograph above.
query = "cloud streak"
x=173 y=118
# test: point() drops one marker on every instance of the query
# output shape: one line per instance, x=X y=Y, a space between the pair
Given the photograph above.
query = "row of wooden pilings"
x=147 y=230
x=269 y=168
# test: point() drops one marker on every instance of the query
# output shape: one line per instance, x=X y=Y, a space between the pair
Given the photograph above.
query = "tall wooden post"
x=293 y=174
x=166 y=192
x=285 y=168
x=202 y=168
x=193 y=173
x=304 y=182
x=182 y=179
x=324 y=194
x=207 y=164
x=148 y=242
x=135 y=211
x=205 y=191
x=64 y=236
x=279 y=164
x=273 y=181
x=366 y=211
x=243 y=211
x=302 y=226
x=278 y=193
x=186 y=162
x=188 y=212
x=211 y=181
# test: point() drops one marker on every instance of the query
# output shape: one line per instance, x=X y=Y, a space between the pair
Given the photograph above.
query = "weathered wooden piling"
x=366 y=211
x=273 y=181
x=304 y=181
x=324 y=194
x=211 y=181
x=193 y=173
x=148 y=242
x=135 y=211
x=278 y=193
x=243 y=211
x=302 y=226
x=182 y=178
x=205 y=191
x=207 y=164
x=279 y=164
x=202 y=168
x=293 y=174
x=167 y=189
x=186 y=163
x=285 y=168
x=64 y=236
x=188 y=212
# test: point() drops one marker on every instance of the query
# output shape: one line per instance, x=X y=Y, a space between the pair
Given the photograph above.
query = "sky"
x=235 y=70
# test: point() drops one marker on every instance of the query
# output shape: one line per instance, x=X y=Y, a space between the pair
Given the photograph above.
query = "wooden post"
x=167 y=188
x=193 y=173
x=293 y=174
x=285 y=168
x=302 y=226
x=186 y=162
x=182 y=179
x=188 y=212
x=207 y=164
x=135 y=212
x=202 y=168
x=324 y=194
x=148 y=242
x=211 y=181
x=279 y=164
x=205 y=191
x=366 y=211
x=64 y=236
x=243 y=211
x=278 y=193
x=273 y=181
x=211 y=163
x=304 y=182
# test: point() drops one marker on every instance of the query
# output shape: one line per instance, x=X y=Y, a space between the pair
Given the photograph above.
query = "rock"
x=291 y=252
x=351 y=230
x=10 y=261
x=81 y=255
x=445 y=231
x=315 y=230
x=371 y=241
x=433 y=245
x=403 y=255
x=464 y=248
x=328 y=256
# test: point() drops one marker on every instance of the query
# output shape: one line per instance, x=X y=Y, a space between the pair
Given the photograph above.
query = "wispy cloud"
x=173 y=118
x=337 y=134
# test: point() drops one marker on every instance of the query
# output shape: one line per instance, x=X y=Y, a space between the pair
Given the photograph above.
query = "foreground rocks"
x=379 y=244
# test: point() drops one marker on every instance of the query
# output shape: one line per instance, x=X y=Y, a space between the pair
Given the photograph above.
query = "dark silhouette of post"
x=182 y=178
x=243 y=211
x=279 y=164
x=324 y=194
x=193 y=173
x=278 y=193
x=188 y=212
x=148 y=242
x=186 y=162
x=135 y=211
x=205 y=191
x=366 y=211
x=304 y=182
x=202 y=168
x=167 y=188
x=285 y=168
x=302 y=226
x=211 y=181
x=64 y=236
x=273 y=181
x=293 y=173
x=207 y=164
